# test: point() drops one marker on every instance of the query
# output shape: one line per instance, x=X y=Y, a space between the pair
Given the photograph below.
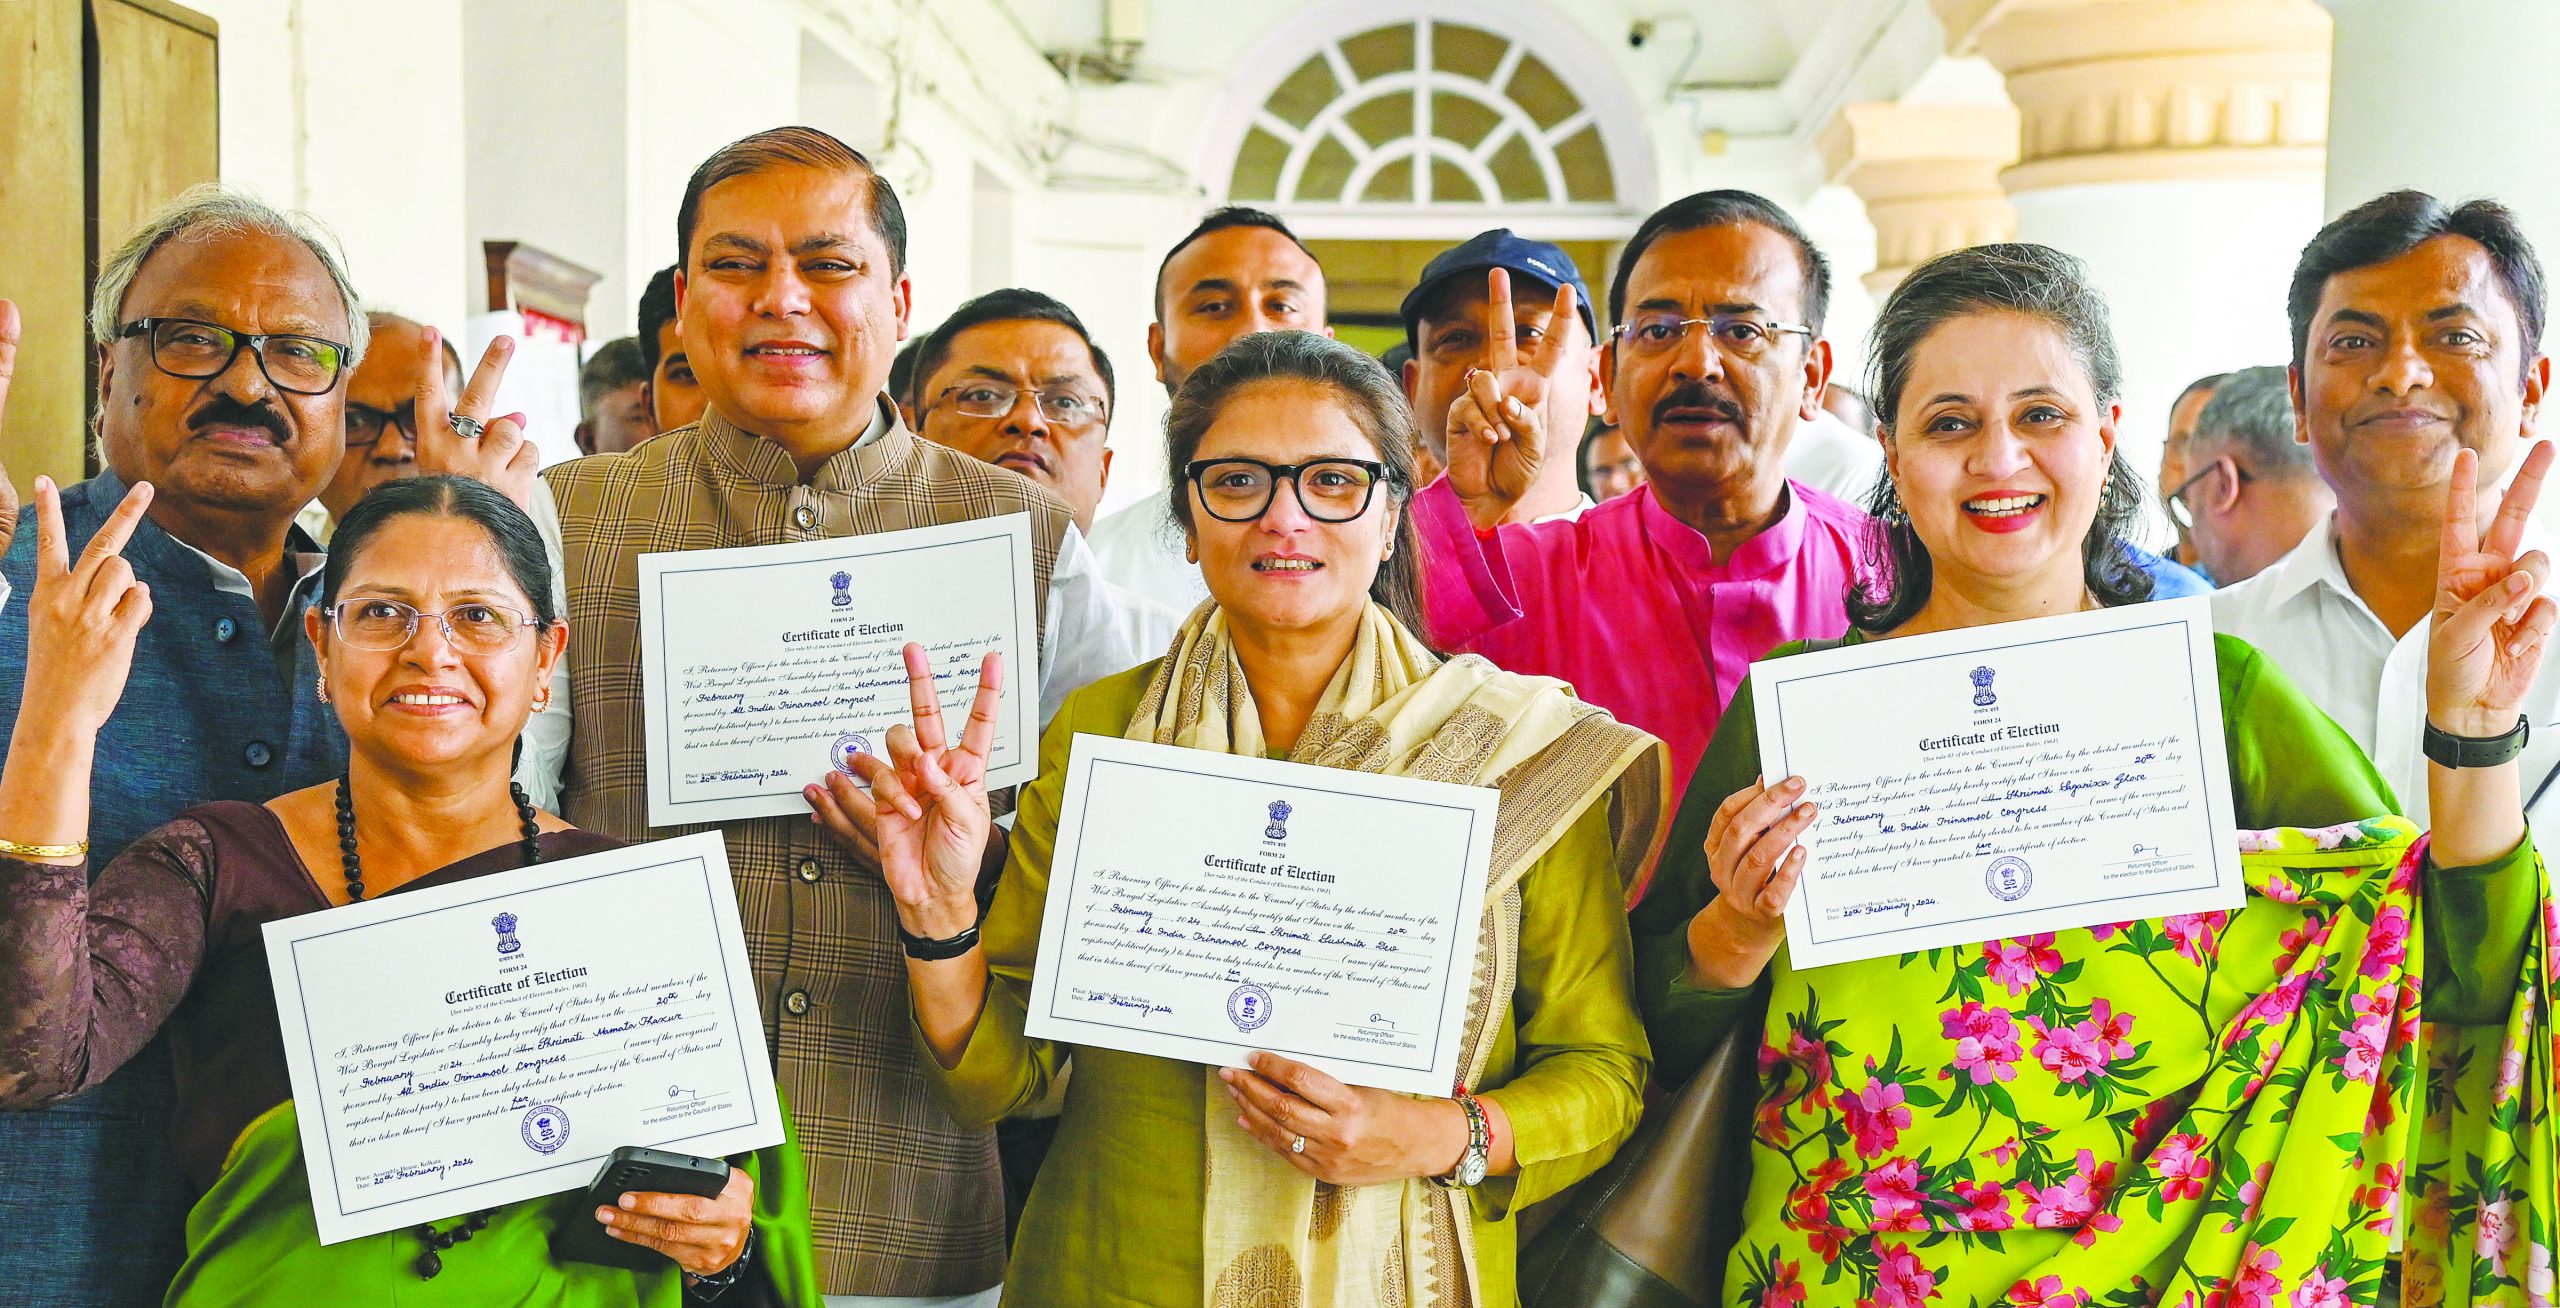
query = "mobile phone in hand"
x=633 y=1170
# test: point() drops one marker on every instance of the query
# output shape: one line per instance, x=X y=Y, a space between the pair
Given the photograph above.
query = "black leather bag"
x=1652 y=1229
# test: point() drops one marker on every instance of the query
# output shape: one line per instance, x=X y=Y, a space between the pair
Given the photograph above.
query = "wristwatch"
x=934 y=951
x=1479 y=1155
x=2475 y=751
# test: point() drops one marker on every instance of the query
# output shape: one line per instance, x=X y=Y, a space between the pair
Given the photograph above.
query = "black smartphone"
x=633 y=1170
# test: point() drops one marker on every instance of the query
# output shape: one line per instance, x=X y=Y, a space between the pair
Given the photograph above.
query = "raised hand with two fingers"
x=457 y=435
x=84 y=616
x=2491 y=618
x=926 y=811
x=1496 y=428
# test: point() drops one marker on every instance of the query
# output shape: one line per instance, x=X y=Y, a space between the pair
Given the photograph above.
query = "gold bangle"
x=77 y=849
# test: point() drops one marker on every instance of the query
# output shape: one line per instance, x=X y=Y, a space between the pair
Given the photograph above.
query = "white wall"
x=549 y=139
x=2458 y=100
x=2194 y=274
x=355 y=113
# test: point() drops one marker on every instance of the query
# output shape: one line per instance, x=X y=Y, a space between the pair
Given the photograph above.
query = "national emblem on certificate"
x=465 y=1046
x=1203 y=906
x=765 y=666
x=1986 y=783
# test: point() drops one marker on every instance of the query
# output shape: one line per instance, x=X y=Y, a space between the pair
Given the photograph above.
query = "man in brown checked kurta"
x=792 y=297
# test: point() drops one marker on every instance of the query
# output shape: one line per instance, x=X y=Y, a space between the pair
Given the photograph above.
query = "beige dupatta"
x=1275 y=1238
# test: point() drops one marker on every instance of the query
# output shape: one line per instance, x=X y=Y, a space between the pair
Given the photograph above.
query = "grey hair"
x=214 y=209
x=2253 y=410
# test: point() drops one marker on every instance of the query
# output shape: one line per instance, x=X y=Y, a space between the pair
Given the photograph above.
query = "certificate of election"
x=764 y=666
x=463 y=1046
x=1987 y=783
x=1202 y=906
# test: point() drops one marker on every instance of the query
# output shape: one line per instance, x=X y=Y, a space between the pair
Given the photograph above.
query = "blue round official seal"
x=846 y=746
x=545 y=1129
x=2009 y=878
x=1249 y=1007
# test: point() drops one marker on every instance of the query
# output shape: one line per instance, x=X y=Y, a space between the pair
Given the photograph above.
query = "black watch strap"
x=934 y=951
x=704 y=1289
x=2476 y=751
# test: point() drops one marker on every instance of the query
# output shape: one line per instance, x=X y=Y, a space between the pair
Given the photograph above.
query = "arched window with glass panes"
x=1427 y=115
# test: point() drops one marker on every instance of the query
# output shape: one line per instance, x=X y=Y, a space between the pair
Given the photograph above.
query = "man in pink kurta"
x=1633 y=606
x=1653 y=605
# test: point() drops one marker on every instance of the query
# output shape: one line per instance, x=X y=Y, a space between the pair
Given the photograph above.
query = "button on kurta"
x=809 y=870
x=257 y=755
x=796 y=1003
x=804 y=517
x=224 y=629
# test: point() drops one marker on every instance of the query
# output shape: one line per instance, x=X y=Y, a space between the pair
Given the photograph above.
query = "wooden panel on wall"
x=43 y=235
x=155 y=111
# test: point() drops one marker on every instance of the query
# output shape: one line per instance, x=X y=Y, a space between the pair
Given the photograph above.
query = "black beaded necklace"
x=432 y=1260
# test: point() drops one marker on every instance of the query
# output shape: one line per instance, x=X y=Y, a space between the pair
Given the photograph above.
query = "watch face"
x=1471 y=1171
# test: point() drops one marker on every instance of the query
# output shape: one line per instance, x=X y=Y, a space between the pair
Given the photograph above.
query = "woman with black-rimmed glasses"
x=1173 y=1183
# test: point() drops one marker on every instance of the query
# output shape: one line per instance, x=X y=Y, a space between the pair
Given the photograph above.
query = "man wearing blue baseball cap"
x=1445 y=323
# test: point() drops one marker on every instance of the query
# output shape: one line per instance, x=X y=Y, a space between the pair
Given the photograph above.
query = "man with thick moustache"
x=791 y=297
x=1718 y=558
x=1238 y=272
x=225 y=333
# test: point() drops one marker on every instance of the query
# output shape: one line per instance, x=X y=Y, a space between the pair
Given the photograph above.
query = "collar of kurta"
x=881 y=449
x=1770 y=551
x=163 y=556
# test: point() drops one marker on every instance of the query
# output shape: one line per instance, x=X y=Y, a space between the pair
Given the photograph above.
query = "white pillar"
x=2457 y=99
x=2176 y=147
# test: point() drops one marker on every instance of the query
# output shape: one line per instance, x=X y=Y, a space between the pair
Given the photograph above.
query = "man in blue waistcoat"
x=225 y=332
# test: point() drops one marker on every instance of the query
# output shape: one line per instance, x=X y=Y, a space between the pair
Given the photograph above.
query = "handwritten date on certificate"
x=1995 y=781
x=1202 y=906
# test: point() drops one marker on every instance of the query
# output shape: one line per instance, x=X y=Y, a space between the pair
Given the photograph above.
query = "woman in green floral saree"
x=2228 y=1110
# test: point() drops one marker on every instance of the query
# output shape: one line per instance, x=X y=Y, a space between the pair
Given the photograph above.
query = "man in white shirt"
x=2416 y=334
x=1239 y=272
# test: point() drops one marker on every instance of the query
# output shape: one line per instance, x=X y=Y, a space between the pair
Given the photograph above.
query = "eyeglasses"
x=1063 y=408
x=367 y=424
x=185 y=347
x=1330 y=490
x=1735 y=336
x=2176 y=501
x=389 y=624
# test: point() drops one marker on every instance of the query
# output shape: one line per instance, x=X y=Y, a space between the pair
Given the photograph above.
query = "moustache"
x=1696 y=395
x=224 y=411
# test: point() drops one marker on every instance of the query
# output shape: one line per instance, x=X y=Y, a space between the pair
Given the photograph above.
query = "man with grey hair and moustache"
x=225 y=332
x=2252 y=491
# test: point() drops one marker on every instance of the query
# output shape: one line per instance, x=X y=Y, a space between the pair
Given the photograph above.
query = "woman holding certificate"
x=2223 y=1107
x=1172 y=1182
x=436 y=633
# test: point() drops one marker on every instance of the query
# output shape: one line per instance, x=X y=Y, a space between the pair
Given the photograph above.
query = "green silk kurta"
x=1115 y=1217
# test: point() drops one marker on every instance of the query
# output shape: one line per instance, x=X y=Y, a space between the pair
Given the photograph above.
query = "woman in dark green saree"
x=436 y=631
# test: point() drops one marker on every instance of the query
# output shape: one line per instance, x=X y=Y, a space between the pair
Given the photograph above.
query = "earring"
x=324 y=688
x=542 y=702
